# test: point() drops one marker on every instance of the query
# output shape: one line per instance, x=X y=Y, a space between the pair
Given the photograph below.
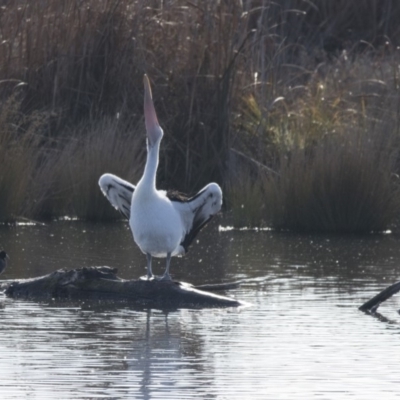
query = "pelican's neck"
x=148 y=181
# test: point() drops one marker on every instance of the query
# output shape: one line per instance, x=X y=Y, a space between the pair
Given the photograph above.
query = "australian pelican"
x=163 y=223
x=3 y=260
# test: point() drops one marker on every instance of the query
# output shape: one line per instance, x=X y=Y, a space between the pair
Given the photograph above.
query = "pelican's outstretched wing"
x=118 y=192
x=196 y=211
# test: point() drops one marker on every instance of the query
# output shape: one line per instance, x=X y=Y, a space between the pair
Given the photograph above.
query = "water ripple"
x=302 y=338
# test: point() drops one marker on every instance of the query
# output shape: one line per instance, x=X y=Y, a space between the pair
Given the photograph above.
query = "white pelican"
x=3 y=260
x=163 y=223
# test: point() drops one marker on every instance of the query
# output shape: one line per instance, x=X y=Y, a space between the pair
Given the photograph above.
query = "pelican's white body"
x=155 y=223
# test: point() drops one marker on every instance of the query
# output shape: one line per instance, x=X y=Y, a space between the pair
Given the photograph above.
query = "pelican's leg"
x=167 y=276
x=149 y=271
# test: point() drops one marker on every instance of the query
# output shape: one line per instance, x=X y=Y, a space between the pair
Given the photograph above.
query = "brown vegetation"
x=334 y=149
x=306 y=88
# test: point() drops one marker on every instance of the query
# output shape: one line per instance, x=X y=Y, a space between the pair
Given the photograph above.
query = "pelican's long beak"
x=153 y=129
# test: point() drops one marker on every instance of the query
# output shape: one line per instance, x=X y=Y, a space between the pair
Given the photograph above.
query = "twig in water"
x=373 y=304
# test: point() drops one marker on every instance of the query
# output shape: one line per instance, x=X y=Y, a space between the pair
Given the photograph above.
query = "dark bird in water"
x=3 y=261
x=163 y=224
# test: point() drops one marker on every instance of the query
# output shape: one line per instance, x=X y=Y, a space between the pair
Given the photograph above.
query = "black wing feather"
x=197 y=210
x=197 y=227
x=118 y=192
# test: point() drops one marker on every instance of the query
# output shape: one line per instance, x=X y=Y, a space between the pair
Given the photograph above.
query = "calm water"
x=302 y=338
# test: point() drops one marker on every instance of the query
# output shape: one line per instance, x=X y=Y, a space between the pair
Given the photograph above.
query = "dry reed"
x=270 y=79
x=334 y=150
x=20 y=153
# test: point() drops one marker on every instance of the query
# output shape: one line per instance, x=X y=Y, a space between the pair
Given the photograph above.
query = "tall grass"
x=341 y=184
x=19 y=155
x=86 y=59
x=71 y=169
x=42 y=178
x=334 y=151
x=272 y=80
x=107 y=146
x=345 y=185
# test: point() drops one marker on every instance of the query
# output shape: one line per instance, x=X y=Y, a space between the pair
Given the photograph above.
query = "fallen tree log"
x=373 y=304
x=103 y=284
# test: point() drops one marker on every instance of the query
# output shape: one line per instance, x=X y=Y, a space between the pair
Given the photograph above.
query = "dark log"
x=102 y=284
x=373 y=304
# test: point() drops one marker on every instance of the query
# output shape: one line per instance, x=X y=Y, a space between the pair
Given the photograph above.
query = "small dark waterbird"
x=163 y=223
x=3 y=261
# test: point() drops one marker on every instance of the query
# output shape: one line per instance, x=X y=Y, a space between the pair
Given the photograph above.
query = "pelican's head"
x=153 y=129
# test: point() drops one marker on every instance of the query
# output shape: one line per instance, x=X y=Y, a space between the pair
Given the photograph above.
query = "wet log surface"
x=103 y=284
